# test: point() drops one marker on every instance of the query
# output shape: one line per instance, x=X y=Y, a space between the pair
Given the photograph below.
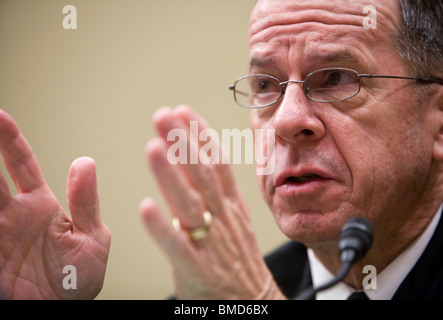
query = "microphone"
x=355 y=240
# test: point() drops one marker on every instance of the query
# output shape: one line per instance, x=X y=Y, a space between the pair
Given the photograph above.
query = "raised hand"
x=225 y=262
x=38 y=239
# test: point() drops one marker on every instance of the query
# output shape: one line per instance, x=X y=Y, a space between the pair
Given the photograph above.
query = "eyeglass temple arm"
x=432 y=80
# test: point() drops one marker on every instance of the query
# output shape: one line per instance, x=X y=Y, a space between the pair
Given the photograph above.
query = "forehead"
x=320 y=29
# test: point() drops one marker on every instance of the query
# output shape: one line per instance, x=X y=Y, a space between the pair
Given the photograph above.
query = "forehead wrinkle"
x=315 y=46
x=319 y=40
x=272 y=22
x=269 y=31
x=268 y=20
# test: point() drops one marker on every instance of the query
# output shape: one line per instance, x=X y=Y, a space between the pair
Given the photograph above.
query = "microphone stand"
x=355 y=240
x=309 y=294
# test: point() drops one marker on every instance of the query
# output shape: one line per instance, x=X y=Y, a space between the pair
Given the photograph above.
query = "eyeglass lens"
x=325 y=85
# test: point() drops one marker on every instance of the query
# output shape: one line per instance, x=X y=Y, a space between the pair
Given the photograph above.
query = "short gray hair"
x=420 y=37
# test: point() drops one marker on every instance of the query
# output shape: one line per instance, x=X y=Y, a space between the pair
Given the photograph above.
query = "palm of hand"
x=38 y=238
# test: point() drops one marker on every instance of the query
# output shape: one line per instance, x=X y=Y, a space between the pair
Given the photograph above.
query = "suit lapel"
x=289 y=265
x=425 y=280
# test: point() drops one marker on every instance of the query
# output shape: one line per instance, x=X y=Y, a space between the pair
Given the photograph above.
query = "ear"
x=436 y=102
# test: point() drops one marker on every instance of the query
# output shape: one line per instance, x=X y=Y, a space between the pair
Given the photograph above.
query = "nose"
x=295 y=120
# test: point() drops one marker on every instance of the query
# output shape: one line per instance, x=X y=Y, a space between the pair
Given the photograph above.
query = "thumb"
x=83 y=200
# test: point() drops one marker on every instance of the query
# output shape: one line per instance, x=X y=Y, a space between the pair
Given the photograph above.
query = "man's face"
x=368 y=156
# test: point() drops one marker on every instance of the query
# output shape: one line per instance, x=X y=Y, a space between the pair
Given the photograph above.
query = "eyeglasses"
x=324 y=85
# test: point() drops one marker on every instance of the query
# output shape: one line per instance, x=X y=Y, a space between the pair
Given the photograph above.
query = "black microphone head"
x=355 y=239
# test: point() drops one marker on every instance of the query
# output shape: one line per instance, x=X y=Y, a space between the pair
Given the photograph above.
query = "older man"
x=358 y=119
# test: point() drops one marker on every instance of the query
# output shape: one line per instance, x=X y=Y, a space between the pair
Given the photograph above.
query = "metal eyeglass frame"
x=283 y=84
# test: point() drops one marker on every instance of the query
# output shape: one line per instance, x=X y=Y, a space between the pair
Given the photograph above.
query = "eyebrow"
x=343 y=55
x=315 y=56
x=261 y=62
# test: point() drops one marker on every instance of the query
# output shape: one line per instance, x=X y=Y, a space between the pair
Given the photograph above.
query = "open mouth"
x=302 y=179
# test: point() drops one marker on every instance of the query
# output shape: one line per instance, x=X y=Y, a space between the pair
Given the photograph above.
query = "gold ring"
x=196 y=233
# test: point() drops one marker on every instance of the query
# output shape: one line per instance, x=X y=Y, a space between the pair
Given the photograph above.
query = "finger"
x=18 y=156
x=184 y=200
x=223 y=168
x=200 y=173
x=82 y=194
x=5 y=194
x=177 y=245
x=173 y=243
x=205 y=135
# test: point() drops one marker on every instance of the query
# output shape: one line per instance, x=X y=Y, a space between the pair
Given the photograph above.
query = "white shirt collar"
x=387 y=281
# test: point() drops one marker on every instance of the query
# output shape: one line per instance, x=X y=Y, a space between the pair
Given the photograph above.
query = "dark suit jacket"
x=290 y=266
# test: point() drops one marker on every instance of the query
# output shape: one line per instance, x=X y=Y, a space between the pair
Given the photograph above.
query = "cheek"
x=389 y=163
x=405 y=157
x=256 y=123
x=265 y=160
x=262 y=182
x=359 y=157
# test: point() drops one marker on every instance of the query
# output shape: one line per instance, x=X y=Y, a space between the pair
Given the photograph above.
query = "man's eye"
x=261 y=86
x=338 y=78
x=334 y=78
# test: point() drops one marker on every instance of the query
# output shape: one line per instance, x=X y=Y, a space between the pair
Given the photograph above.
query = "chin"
x=310 y=227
